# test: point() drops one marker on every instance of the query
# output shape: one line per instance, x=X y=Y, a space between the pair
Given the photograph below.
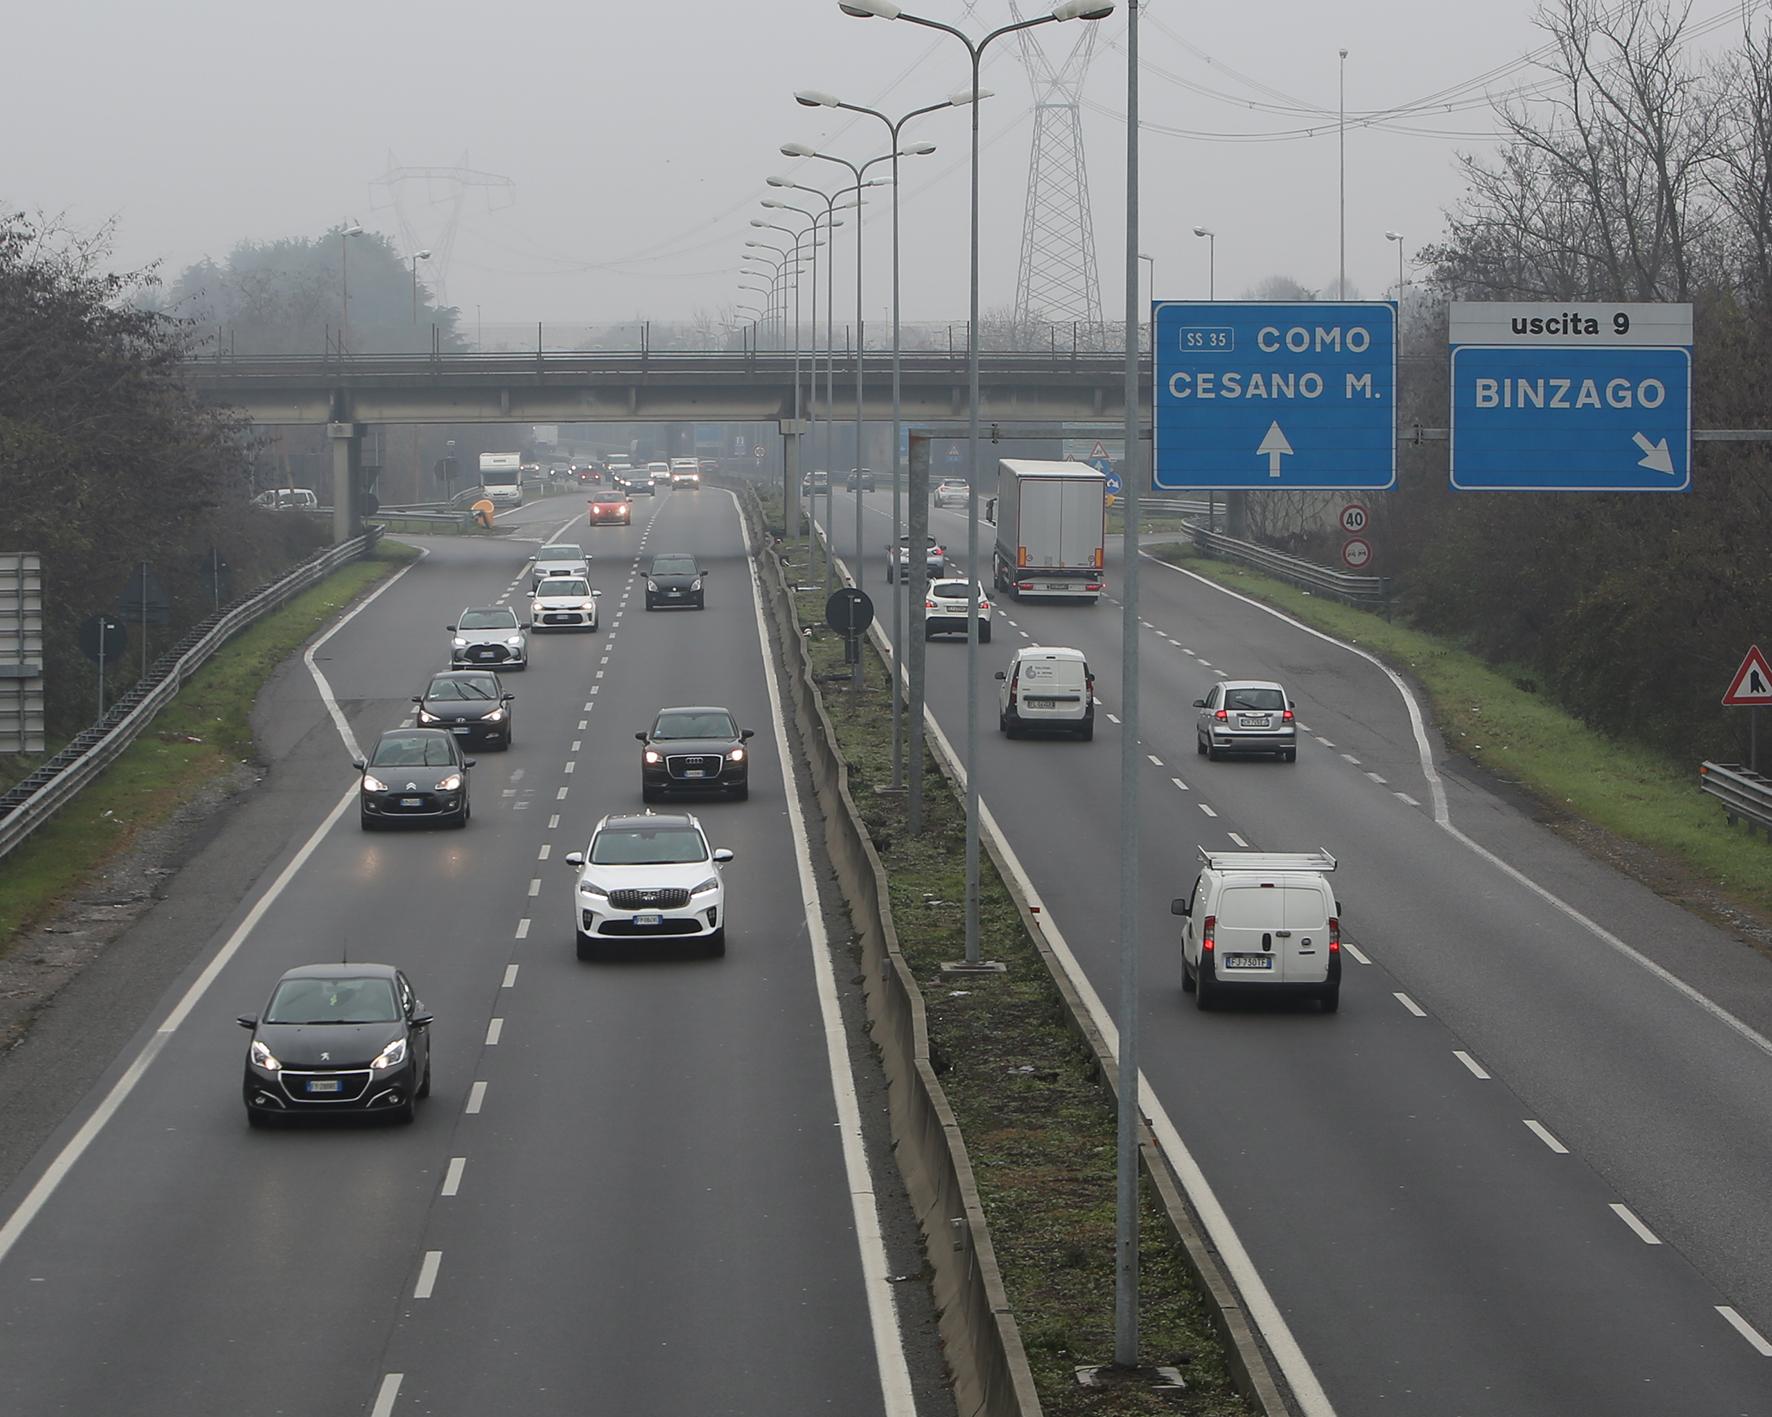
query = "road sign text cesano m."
x=1274 y=396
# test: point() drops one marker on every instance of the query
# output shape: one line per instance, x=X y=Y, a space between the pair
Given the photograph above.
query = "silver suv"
x=490 y=635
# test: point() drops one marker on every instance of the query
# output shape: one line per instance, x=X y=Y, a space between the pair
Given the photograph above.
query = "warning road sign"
x=1752 y=684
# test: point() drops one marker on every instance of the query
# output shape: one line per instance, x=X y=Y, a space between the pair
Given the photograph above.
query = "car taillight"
x=1024 y=585
x=929 y=605
x=1334 y=935
x=1095 y=585
x=1206 y=933
x=984 y=605
x=1285 y=715
x=1221 y=716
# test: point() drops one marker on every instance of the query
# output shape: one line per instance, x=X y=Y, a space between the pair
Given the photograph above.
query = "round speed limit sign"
x=1354 y=519
x=1356 y=553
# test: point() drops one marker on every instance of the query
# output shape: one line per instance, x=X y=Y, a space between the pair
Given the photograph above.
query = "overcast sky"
x=638 y=134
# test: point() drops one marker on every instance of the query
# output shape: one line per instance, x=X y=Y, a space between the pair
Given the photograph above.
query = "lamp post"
x=344 y=282
x=1211 y=259
x=914 y=648
x=787 y=256
x=1397 y=237
x=1150 y=265
x=417 y=256
x=890 y=10
x=790 y=495
x=1341 y=143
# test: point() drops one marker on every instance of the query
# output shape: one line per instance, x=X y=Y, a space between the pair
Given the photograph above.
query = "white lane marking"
x=1239 y=840
x=560 y=796
x=452 y=1177
x=581 y=727
x=1376 y=778
x=589 y=707
x=1405 y=798
x=494 y=1029
x=1179 y=783
x=523 y=928
x=595 y=688
x=427 y=1274
x=1475 y=1067
x=476 y=1098
x=1207 y=664
x=534 y=887
x=1352 y=759
x=1746 y=1330
x=1024 y=634
x=1304 y=728
x=1539 y=1130
x=1112 y=718
x=1356 y=952
x=554 y=822
x=1644 y=1233
x=320 y=682
x=895 y=1378
x=546 y=851
x=1410 y=1004
x=1156 y=762
x=1206 y=809
x=575 y=744
x=386 y=1393
x=571 y=767
x=1324 y=741
x=511 y=969
x=57 y=1171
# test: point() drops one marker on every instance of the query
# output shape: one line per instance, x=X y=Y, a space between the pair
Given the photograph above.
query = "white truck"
x=1051 y=520
x=501 y=475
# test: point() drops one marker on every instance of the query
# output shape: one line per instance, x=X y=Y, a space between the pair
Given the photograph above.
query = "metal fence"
x=45 y=792
x=1743 y=792
x=1363 y=591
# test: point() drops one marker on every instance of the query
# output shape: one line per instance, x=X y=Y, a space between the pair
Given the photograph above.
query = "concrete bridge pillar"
x=347 y=481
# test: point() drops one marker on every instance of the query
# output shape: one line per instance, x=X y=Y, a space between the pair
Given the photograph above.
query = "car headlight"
x=372 y=783
x=711 y=884
x=452 y=783
x=426 y=716
x=651 y=584
x=262 y=1057
x=593 y=890
x=391 y=1056
x=695 y=585
x=496 y=716
x=587 y=605
x=735 y=756
x=653 y=756
x=458 y=643
x=515 y=642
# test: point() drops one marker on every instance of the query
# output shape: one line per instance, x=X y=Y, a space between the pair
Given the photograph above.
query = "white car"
x=648 y=879
x=945 y=610
x=1261 y=921
x=1047 y=686
x=563 y=603
x=686 y=472
x=565 y=558
x=659 y=473
x=898 y=560
x=285 y=499
x=952 y=492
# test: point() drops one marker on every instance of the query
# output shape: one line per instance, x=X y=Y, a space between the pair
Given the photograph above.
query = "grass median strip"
x=1494 y=717
x=204 y=733
x=1038 y=1123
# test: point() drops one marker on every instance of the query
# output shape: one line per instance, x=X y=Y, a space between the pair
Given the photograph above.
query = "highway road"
x=1524 y=1169
x=638 y=1187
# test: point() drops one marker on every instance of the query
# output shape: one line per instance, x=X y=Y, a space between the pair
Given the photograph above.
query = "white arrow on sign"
x=1276 y=447
x=1655 y=455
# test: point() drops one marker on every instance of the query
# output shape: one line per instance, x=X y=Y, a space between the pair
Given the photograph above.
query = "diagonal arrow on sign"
x=1275 y=446
x=1655 y=455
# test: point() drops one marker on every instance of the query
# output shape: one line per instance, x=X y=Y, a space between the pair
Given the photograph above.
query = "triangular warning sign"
x=1098 y=451
x=1753 y=681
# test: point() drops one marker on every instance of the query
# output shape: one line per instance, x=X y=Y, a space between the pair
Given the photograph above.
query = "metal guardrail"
x=1295 y=570
x=1176 y=507
x=40 y=796
x=1743 y=792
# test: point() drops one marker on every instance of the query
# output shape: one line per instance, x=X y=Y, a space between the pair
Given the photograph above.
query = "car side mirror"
x=422 y=1020
x=596 y=593
x=1178 y=906
x=526 y=625
x=639 y=737
x=574 y=858
x=470 y=762
x=449 y=627
x=418 y=698
x=1000 y=674
x=247 y=1020
x=722 y=856
x=747 y=733
x=1199 y=703
x=506 y=698
x=1338 y=910
x=360 y=765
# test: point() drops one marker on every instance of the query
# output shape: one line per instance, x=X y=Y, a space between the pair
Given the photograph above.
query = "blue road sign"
x=1571 y=418
x=1275 y=396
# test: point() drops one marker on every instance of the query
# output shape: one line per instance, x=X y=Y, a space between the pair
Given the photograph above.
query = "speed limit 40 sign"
x=1355 y=519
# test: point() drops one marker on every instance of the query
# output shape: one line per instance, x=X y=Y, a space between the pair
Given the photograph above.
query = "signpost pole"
x=101 y=668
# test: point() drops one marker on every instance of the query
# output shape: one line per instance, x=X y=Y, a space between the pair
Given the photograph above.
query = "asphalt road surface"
x=1525 y=1169
x=637 y=1187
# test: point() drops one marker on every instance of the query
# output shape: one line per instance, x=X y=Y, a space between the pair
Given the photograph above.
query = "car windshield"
x=560 y=553
x=567 y=587
x=480 y=686
x=412 y=750
x=703 y=723
x=647 y=846
x=673 y=565
x=488 y=620
x=905 y=541
x=952 y=590
x=323 y=1001
x=1257 y=700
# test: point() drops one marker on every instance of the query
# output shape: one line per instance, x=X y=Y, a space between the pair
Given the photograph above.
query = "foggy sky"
x=639 y=135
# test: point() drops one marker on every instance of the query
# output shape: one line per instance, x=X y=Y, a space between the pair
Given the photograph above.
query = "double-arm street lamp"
x=913 y=649
x=417 y=256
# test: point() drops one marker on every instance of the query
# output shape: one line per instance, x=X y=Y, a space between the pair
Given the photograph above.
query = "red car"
x=613 y=507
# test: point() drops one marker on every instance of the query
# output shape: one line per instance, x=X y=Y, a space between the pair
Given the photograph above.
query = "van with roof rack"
x=1261 y=922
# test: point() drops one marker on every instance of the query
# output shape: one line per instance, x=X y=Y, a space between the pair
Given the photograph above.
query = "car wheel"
x=1002 y=721
x=1087 y=731
x=461 y=819
x=587 y=947
x=984 y=634
x=648 y=794
x=1330 y=998
x=1012 y=726
x=742 y=792
x=717 y=943
x=1289 y=756
x=649 y=604
x=510 y=737
x=405 y=1113
x=369 y=823
x=1187 y=976
x=424 y=1086
x=1212 y=754
x=700 y=604
x=928 y=631
x=1205 y=988
x=257 y=1120
x=1199 y=745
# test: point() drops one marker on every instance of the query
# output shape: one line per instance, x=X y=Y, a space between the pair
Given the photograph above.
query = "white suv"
x=1046 y=686
x=686 y=472
x=649 y=879
x=1262 y=921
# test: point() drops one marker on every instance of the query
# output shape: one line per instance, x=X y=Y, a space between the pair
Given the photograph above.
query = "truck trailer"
x=1051 y=520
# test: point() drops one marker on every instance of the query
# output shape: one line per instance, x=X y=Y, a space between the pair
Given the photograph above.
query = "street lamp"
x=890 y=10
x=417 y=256
x=785 y=231
x=1151 y=265
x=1211 y=259
x=344 y=282
x=1397 y=237
x=914 y=648
x=790 y=489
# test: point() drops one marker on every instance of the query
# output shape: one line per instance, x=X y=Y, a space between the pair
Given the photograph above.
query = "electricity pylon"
x=444 y=188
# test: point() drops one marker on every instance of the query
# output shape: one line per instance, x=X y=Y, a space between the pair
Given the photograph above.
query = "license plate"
x=482 y=654
x=695 y=772
x=1042 y=703
x=1247 y=722
x=652 y=919
x=412 y=801
x=461 y=728
x=324 y=1085
x=1248 y=961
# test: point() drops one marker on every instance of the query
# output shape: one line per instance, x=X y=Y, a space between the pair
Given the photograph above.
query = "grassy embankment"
x=1492 y=716
x=201 y=735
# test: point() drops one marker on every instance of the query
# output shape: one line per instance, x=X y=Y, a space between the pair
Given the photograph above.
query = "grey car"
x=489 y=637
x=1246 y=716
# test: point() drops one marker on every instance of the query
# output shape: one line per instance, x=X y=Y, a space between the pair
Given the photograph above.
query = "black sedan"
x=694 y=751
x=338 y=1038
x=675 y=579
x=470 y=703
x=414 y=775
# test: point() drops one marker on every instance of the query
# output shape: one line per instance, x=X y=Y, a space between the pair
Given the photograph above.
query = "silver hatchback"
x=1246 y=716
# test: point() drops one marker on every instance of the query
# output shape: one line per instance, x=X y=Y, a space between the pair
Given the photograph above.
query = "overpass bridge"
x=740 y=386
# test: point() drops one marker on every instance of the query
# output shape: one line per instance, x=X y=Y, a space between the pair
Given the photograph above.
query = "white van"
x=1262 y=921
x=1046 y=687
x=284 y=499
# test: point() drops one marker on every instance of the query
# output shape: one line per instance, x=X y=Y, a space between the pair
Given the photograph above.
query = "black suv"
x=694 y=750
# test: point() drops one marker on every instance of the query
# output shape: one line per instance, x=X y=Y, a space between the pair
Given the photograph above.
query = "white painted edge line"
x=495 y=1028
x=1644 y=1233
x=896 y=1393
x=1355 y=951
x=1542 y=1132
x=1409 y=1004
x=1476 y=1068
x=1443 y=819
x=427 y=1274
x=320 y=683
x=1746 y=1330
x=386 y=1393
x=452 y=1177
x=476 y=1098
x=510 y=977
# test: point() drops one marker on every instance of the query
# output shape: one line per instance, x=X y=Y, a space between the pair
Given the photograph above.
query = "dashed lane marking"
x=1539 y=1130
x=476 y=1098
x=1644 y=1233
x=545 y=852
x=560 y=796
x=386 y=1393
x=554 y=822
x=1155 y=760
x=1406 y=798
x=1113 y=718
x=1746 y=1330
x=494 y=1030
x=452 y=1177
x=427 y=1274
x=1410 y=1004
x=1206 y=809
x=1179 y=783
x=571 y=767
x=511 y=974
x=1239 y=840
x=534 y=887
x=522 y=934
x=1376 y=778
x=1476 y=1068
x=1356 y=952
x=1352 y=759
